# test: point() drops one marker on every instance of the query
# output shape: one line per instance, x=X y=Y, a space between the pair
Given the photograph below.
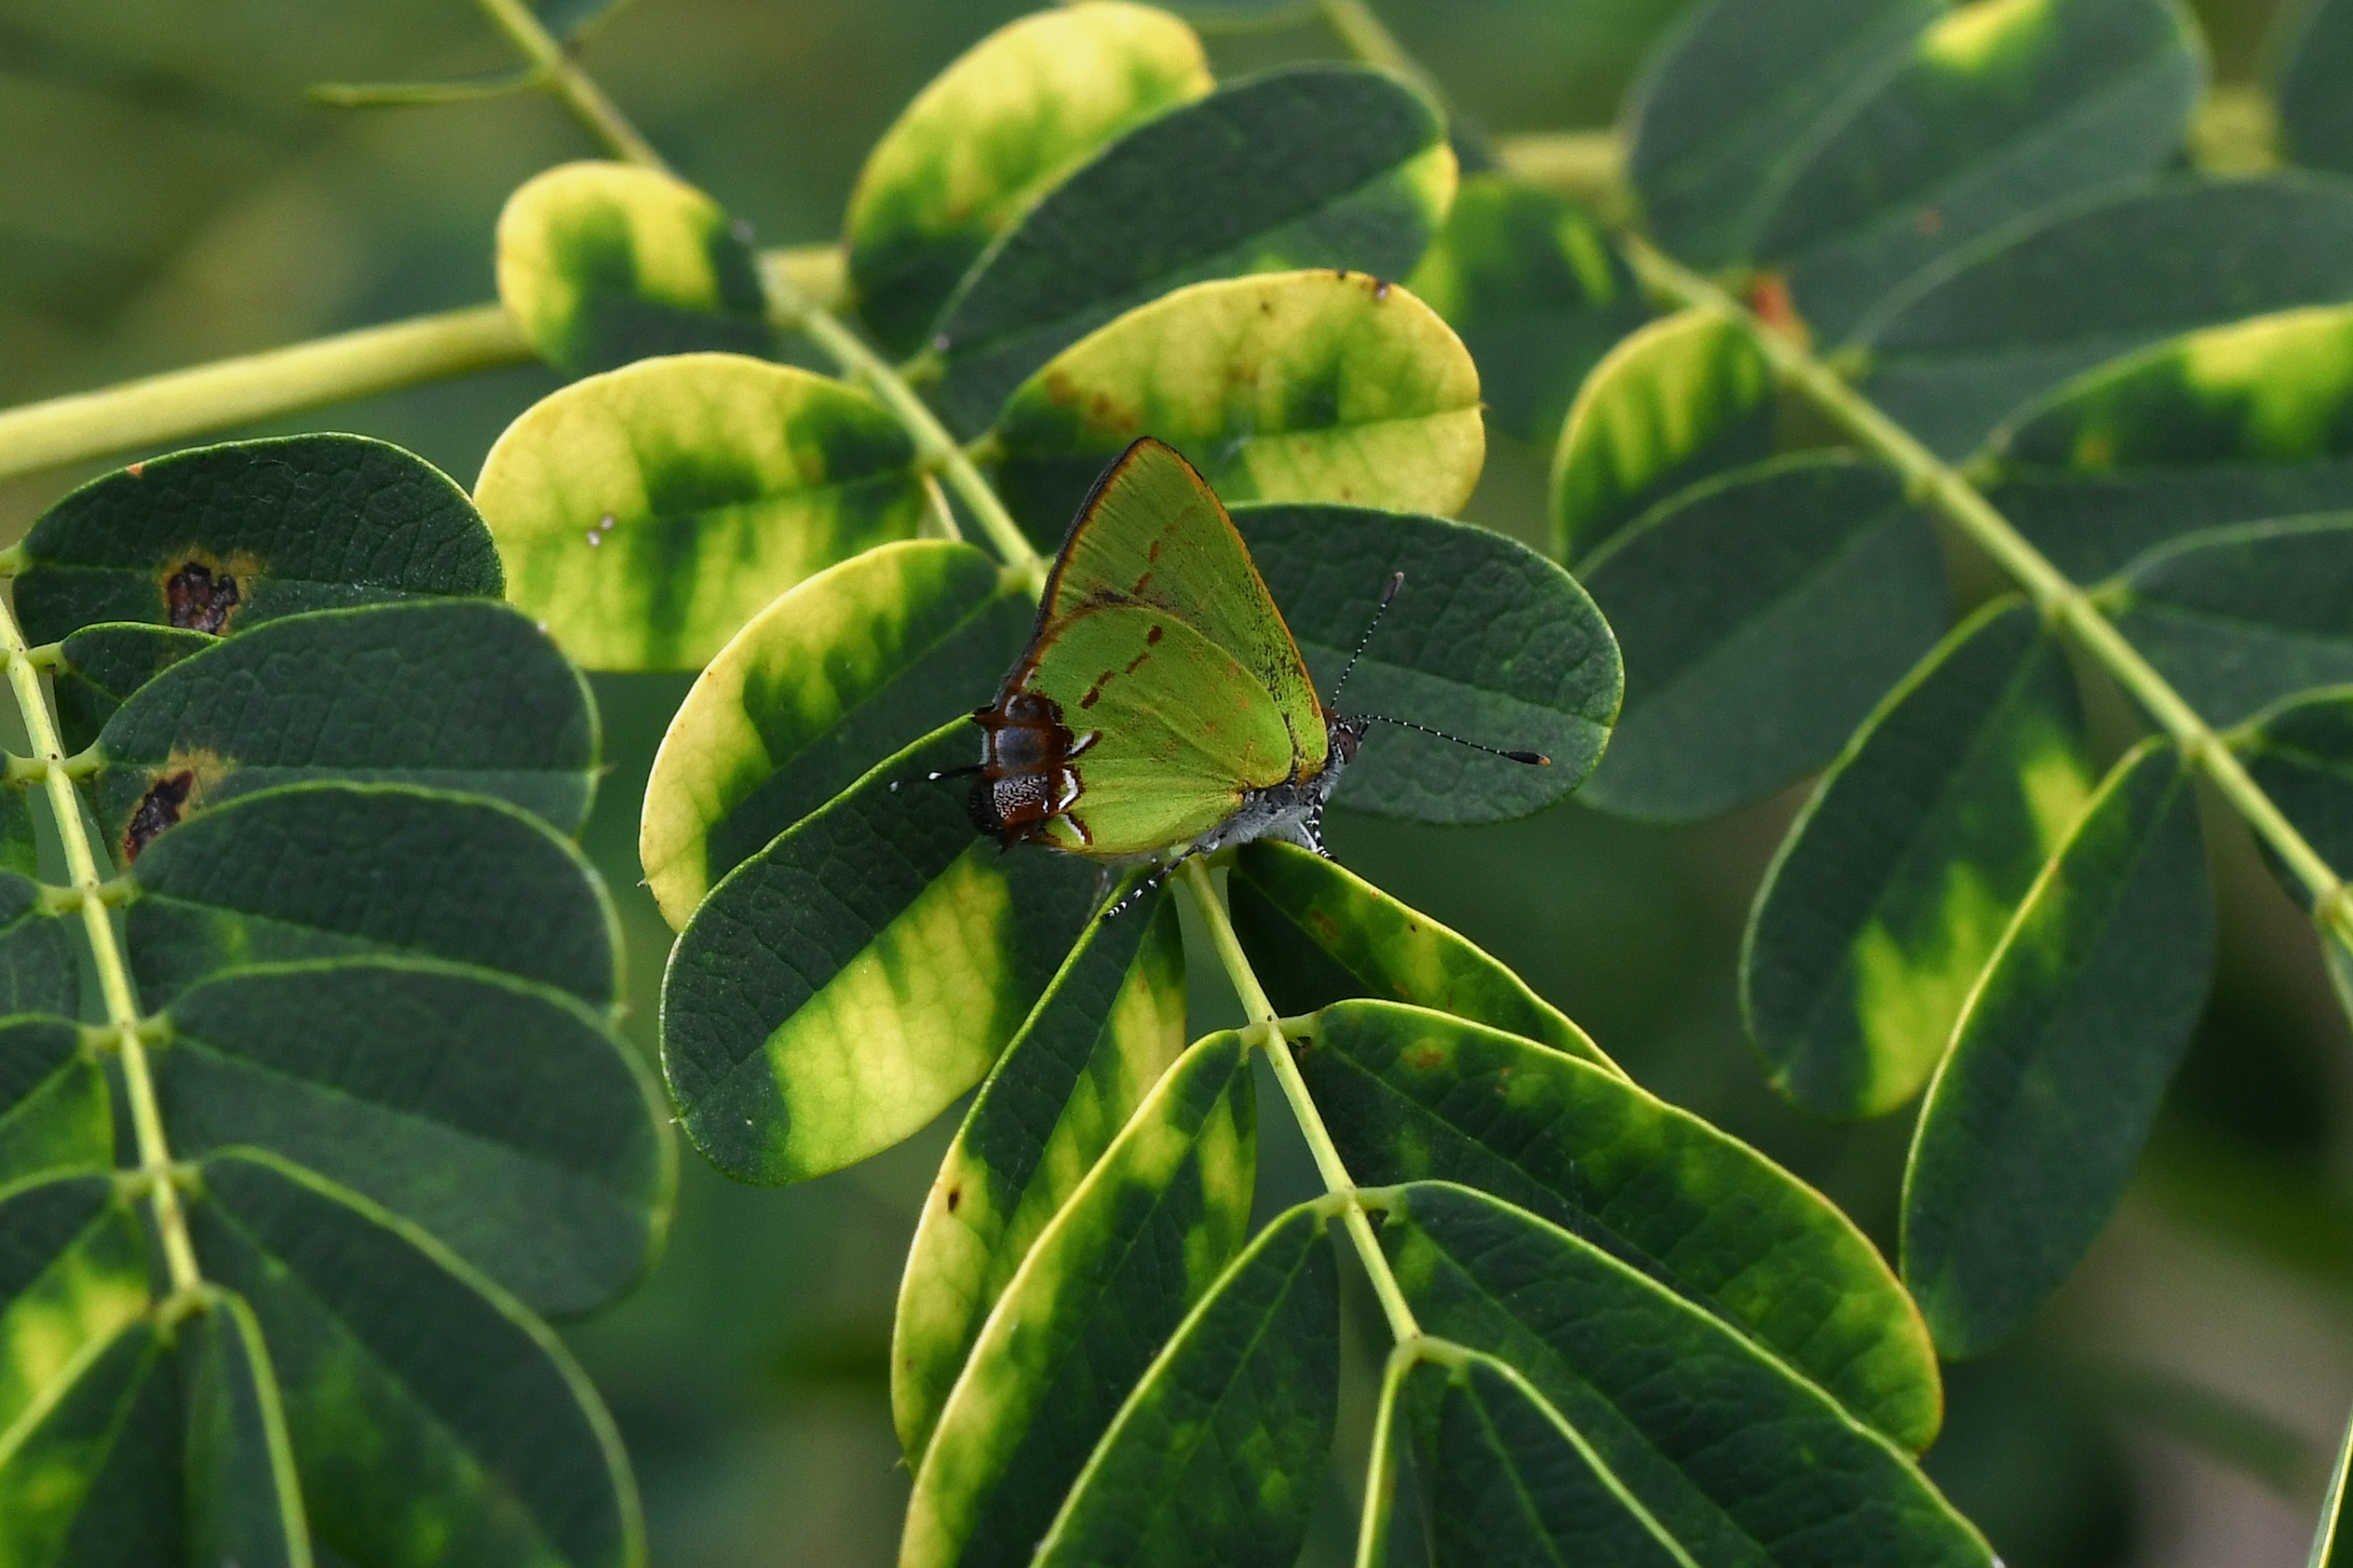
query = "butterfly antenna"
x=1534 y=759
x=1397 y=580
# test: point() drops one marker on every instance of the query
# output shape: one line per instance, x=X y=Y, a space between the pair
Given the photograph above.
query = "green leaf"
x=2311 y=53
x=854 y=664
x=1110 y=1279
x=320 y=871
x=2332 y=1544
x=463 y=695
x=1309 y=165
x=2300 y=754
x=1488 y=639
x=2092 y=525
x=1290 y=386
x=838 y=990
x=220 y=538
x=39 y=951
x=1001 y=125
x=1736 y=1457
x=245 y=1503
x=647 y=514
x=102 y=665
x=54 y=1110
x=1532 y=283
x=1896 y=881
x=600 y=264
x=1218 y=1455
x=1895 y=140
x=1413 y=1096
x=505 y=1118
x=73 y=1272
x=2238 y=618
x=1509 y=1482
x=1762 y=615
x=1679 y=400
x=2033 y=1124
x=1979 y=340
x=1317 y=933
x=433 y=1419
x=93 y=1478
x=1098 y=1040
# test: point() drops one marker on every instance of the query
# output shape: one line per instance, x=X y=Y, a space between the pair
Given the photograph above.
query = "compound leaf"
x=1097 y=1041
x=321 y=871
x=838 y=990
x=1413 y=1095
x=1319 y=933
x=220 y=538
x=1309 y=165
x=1296 y=385
x=1219 y=1454
x=55 y=1109
x=600 y=264
x=1683 y=398
x=851 y=665
x=464 y=696
x=504 y=1118
x=244 y=1500
x=645 y=515
x=1112 y=1279
x=1008 y=119
x=1899 y=878
x=1736 y=1457
x=2032 y=1125
x=1761 y=614
x=1487 y=635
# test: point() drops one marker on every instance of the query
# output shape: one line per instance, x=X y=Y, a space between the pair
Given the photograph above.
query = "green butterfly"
x=1162 y=709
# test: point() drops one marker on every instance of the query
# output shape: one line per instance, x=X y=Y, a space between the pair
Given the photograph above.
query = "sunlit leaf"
x=1532 y=283
x=1738 y=1458
x=1317 y=933
x=838 y=990
x=101 y=666
x=465 y=695
x=222 y=537
x=1679 y=400
x=854 y=664
x=244 y=1500
x=1762 y=613
x=2311 y=55
x=504 y=1118
x=600 y=264
x=1488 y=640
x=321 y=871
x=647 y=514
x=2033 y=1124
x=1296 y=385
x=1110 y=1279
x=1100 y=1039
x=479 y=1440
x=55 y=1111
x=92 y=1477
x=1310 y=166
x=1004 y=123
x=1899 y=878
x=73 y=1272
x=1219 y=1454
x=1976 y=343
x=1413 y=1095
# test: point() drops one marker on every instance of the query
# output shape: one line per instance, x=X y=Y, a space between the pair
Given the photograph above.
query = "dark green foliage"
x=106 y=663
x=55 y=1112
x=2311 y=54
x=2302 y=753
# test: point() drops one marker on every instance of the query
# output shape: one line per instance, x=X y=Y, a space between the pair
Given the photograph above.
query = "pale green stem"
x=1582 y=164
x=1268 y=1025
x=580 y=95
x=1372 y=1520
x=1370 y=41
x=114 y=976
x=1935 y=482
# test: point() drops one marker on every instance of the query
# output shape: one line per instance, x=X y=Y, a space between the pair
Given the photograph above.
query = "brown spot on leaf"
x=157 y=809
x=1425 y=1058
x=135 y=469
x=1152 y=637
x=198 y=599
x=955 y=1196
x=1326 y=927
x=1928 y=221
x=1768 y=296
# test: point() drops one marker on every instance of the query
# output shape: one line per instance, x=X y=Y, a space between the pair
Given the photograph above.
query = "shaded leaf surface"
x=2031 y=1128
x=1296 y=385
x=39 y=951
x=854 y=664
x=54 y=1110
x=72 y=1272
x=93 y=1480
x=2093 y=525
x=103 y=664
x=839 y=988
x=1487 y=639
x=2300 y=754
x=221 y=537
x=244 y=1502
x=1762 y=615
x=1900 y=878
x=1304 y=166
x=2312 y=56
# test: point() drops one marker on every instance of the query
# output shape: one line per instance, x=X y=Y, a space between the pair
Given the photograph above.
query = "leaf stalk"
x=573 y=86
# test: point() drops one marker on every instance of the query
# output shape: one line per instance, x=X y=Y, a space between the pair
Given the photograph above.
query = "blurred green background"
x=167 y=195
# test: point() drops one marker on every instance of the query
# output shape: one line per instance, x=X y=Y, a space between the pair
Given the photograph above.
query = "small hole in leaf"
x=199 y=600
x=158 y=808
